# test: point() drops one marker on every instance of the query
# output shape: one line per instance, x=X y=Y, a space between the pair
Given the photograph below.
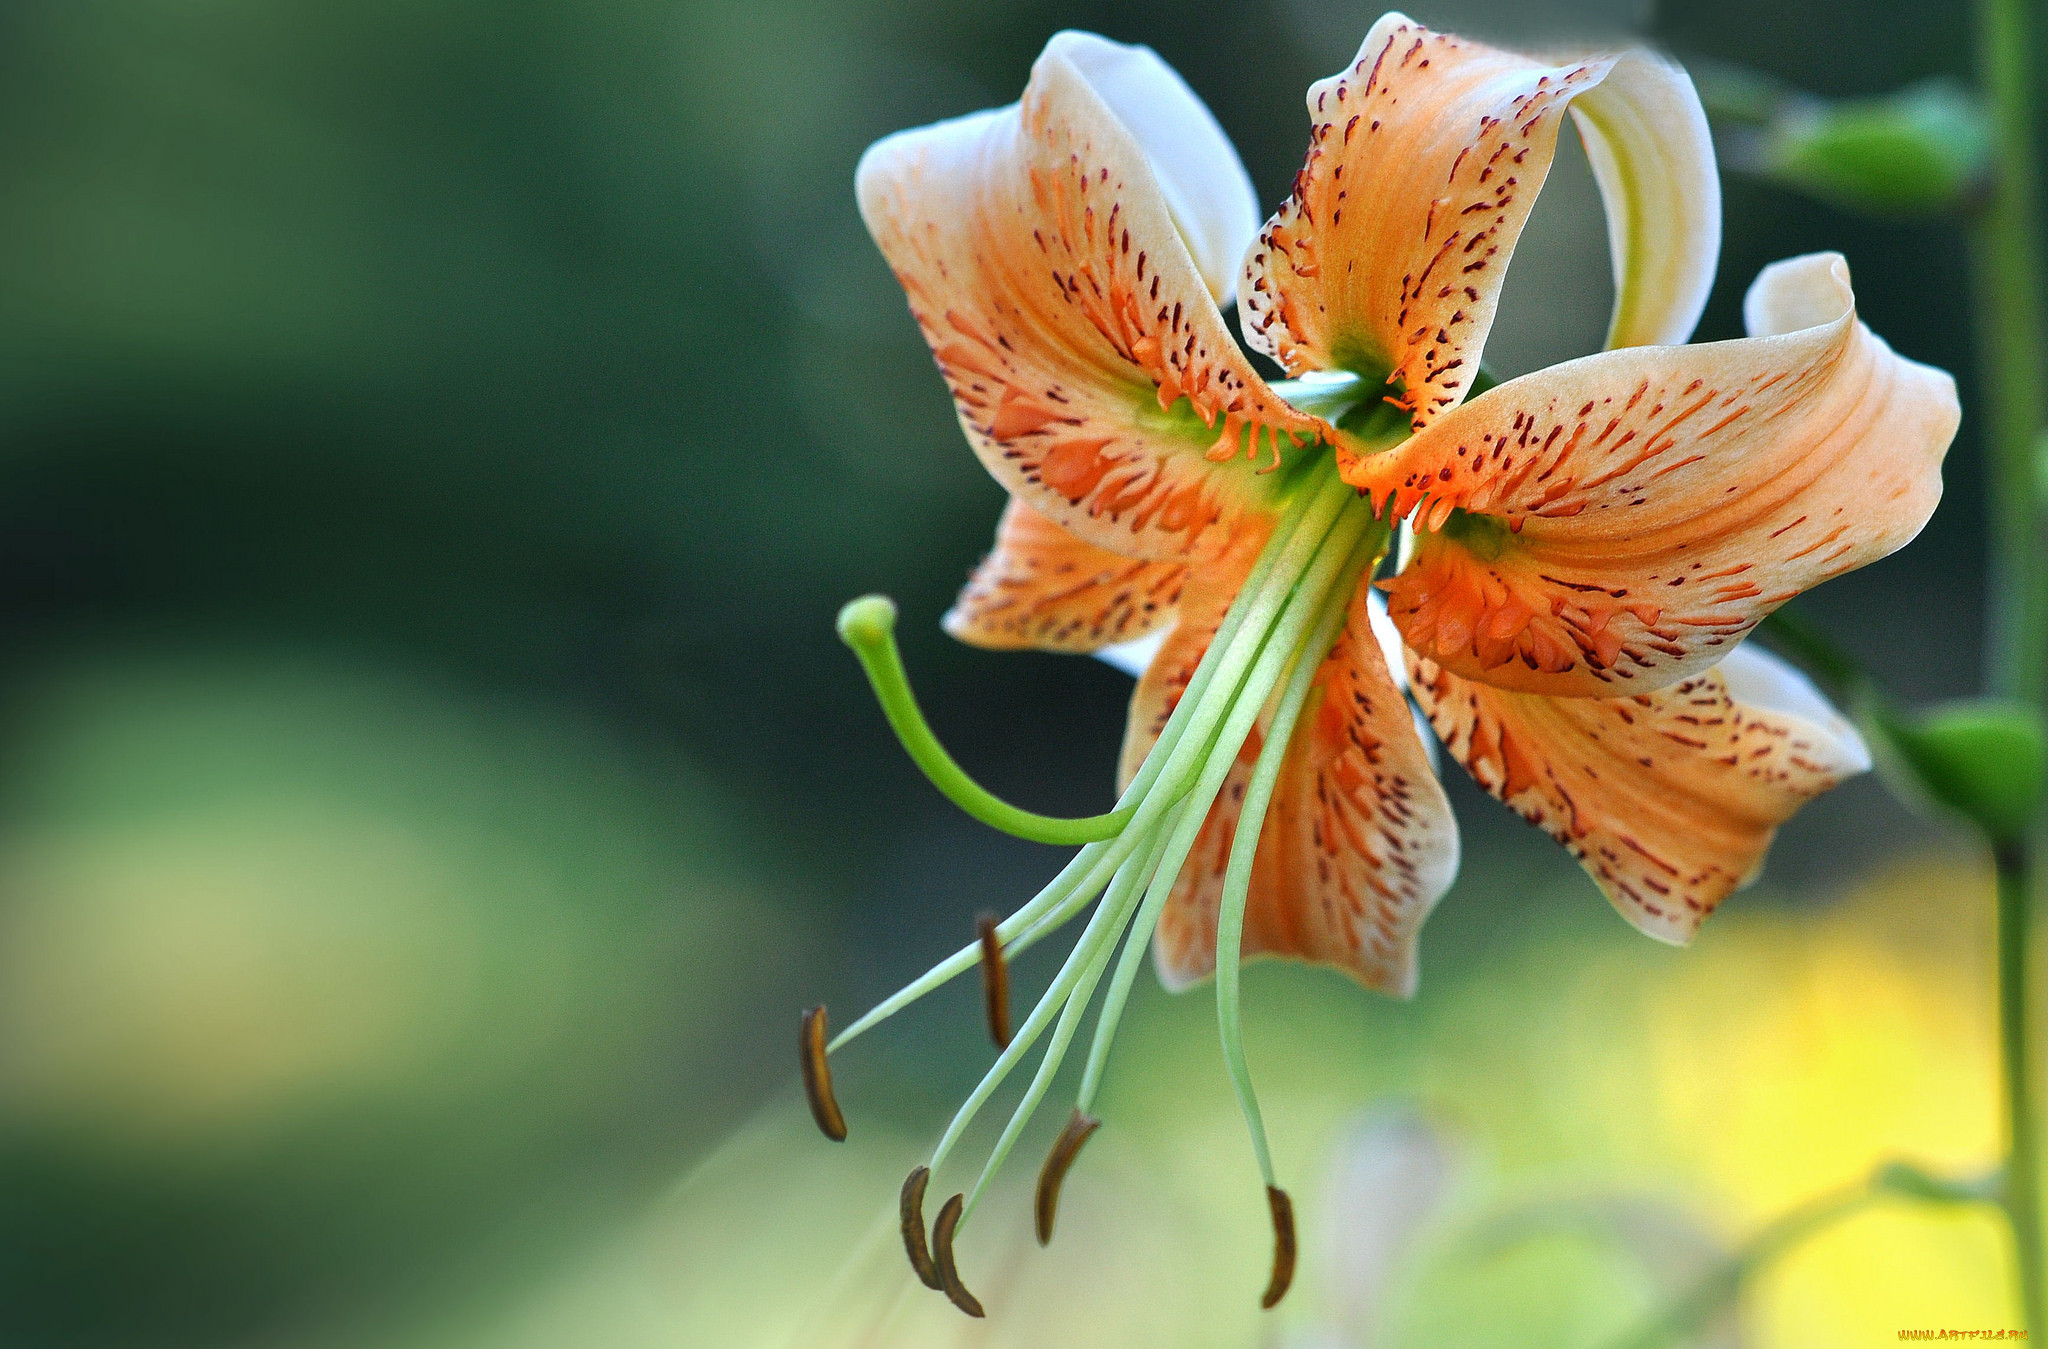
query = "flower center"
x=1260 y=666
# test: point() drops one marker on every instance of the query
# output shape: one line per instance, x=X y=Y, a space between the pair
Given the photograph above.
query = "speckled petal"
x=1668 y=799
x=1617 y=523
x=1089 y=364
x=1042 y=588
x=1425 y=156
x=1357 y=847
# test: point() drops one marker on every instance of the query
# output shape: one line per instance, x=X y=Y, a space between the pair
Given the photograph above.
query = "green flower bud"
x=1984 y=760
x=1918 y=151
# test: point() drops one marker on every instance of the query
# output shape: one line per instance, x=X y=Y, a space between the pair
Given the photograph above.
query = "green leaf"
x=1919 y=151
x=1985 y=760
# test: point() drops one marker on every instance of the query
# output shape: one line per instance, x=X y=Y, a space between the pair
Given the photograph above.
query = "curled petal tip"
x=818 y=1076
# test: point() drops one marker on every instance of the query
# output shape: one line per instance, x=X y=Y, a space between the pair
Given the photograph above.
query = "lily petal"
x=1088 y=362
x=1668 y=799
x=1358 y=844
x=1042 y=588
x=1758 y=679
x=1425 y=157
x=1135 y=656
x=1653 y=156
x=1618 y=522
x=1207 y=190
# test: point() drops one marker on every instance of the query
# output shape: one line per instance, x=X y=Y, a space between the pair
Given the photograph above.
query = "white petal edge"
x=1653 y=156
x=1389 y=636
x=1794 y=294
x=1756 y=678
x=1135 y=656
x=1207 y=191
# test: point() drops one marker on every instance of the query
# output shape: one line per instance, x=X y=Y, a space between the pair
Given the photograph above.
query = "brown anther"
x=1053 y=1174
x=1283 y=1247
x=913 y=1228
x=995 y=981
x=818 y=1076
x=942 y=1254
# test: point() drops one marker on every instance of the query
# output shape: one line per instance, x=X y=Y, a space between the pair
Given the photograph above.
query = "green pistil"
x=868 y=625
x=1264 y=654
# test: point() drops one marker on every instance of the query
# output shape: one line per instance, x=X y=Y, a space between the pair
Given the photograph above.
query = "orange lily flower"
x=1582 y=549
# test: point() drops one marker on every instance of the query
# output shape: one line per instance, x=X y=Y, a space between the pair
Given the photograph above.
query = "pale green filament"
x=1356 y=541
x=1102 y=927
x=1279 y=653
x=1129 y=881
x=1237 y=877
x=1262 y=658
x=1302 y=528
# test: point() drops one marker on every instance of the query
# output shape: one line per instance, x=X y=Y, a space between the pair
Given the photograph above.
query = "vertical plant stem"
x=2006 y=261
x=2012 y=338
x=2022 y=1123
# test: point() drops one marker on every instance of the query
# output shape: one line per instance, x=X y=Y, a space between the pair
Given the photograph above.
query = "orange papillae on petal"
x=1424 y=159
x=1668 y=799
x=1042 y=260
x=1044 y=589
x=1648 y=507
x=1357 y=846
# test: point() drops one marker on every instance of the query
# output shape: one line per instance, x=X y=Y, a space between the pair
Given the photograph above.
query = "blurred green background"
x=435 y=437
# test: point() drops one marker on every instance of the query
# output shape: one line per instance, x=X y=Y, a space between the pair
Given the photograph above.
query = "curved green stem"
x=868 y=625
x=1177 y=755
x=2012 y=337
x=1718 y=1288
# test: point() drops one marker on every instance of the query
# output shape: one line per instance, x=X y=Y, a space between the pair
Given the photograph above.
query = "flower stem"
x=2022 y=1124
x=2012 y=338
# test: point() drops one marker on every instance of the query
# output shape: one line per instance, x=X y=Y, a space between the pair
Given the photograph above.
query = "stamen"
x=1118 y=904
x=1085 y=961
x=868 y=626
x=1301 y=688
x=942 y=1253
x=1293 y=544
x=1276 y=633
x=818 y=1076
x=1283 y=1247
x=995 y=981
x=913 y=1228
x=1046 y=1204
x=1063 y=896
